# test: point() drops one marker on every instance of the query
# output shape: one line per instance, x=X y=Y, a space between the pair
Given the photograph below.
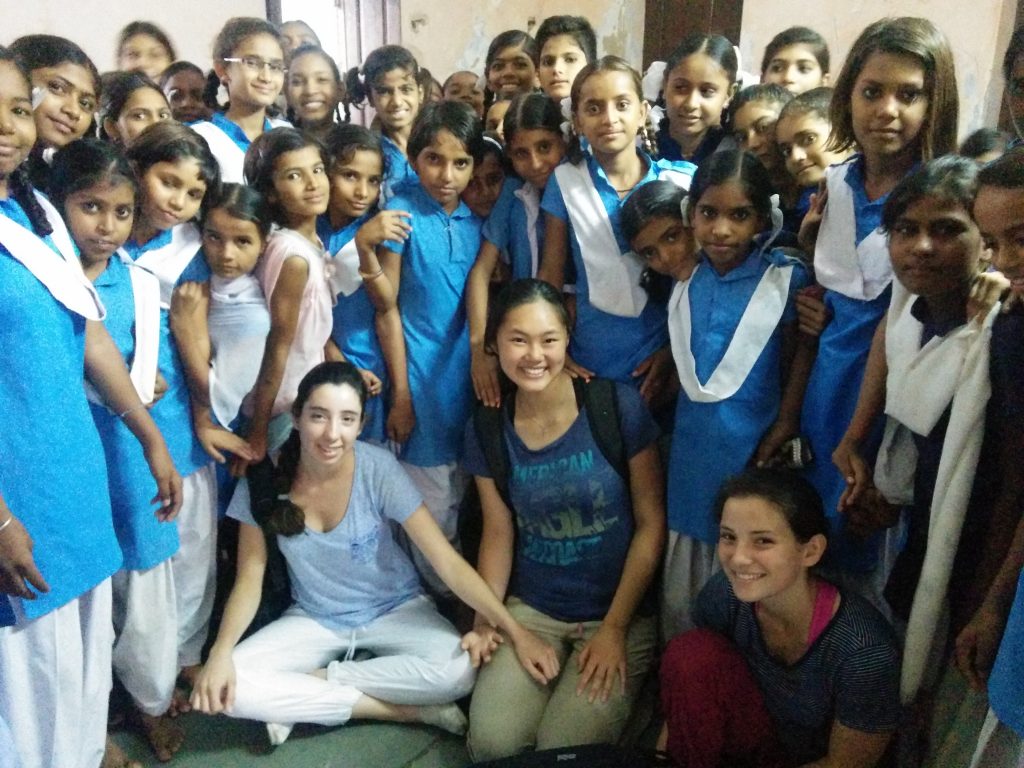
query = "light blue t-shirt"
x=609 y=345
x=398 y=170
x=52 y=472
x=145 y=541
x=356 y=572
x=436 y=260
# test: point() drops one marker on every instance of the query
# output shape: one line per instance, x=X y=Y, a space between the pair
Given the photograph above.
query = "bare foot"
x=115 y=757
x=165 y=736
x=183 y=690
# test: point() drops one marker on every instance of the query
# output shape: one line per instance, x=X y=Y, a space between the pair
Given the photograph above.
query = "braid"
x=647 y=138
x=286 y=518
x=574 y=151
x=20 y=189
x=211 y=90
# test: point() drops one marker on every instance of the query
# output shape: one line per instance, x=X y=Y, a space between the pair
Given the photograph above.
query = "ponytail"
x=20 y=190
x=286 y=517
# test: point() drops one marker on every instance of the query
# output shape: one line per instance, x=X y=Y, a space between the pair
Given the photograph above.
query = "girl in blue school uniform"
x=175 y=168
x=619 y=334
x=55 y=609
x=351 y=230
x=95 y=188
x=514 y=232
x=388 y=82
x=248 y=60
x=700 y=81
x=418 y=287
x=896 y=99
x=734 y=339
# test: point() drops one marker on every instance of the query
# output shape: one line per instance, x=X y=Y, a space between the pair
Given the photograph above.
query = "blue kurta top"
x=610 y=346
x=144 y=540
x=398 y=171
x=834 y=386
x=1005 y=693
x=436 y=260
x=52 y=472
x=173 y=412
x=355 y=329
x=508 y=229
x=712 y=441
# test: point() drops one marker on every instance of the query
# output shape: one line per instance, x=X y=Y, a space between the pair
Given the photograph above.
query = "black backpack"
x=601 y=402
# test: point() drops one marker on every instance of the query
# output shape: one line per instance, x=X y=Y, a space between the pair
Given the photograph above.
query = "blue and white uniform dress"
x=726 y=333
x=228 y=143
x=516 y=227
x=167 y=255
x=55 y=649
x=355 y=329
x=436 y=260
x=616 y=328
x=851 y=260
x=145 y=610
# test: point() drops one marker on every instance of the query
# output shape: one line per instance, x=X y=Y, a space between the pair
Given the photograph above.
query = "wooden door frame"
x=666 y=22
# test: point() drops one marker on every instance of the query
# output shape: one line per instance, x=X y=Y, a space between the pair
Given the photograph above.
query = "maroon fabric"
x=713 y=707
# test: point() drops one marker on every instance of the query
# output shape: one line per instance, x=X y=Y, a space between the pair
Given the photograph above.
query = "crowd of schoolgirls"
x=727 y=377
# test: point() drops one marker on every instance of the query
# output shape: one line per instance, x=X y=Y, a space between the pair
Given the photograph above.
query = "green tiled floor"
x=220 y=742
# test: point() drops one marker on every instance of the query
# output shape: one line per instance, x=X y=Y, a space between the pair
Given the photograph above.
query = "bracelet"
x=374 y=276
x=131 y=410
x=6 y=522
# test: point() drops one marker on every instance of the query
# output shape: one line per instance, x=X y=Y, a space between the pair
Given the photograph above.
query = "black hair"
x=117 y=89
x=427 y=82
x=797 y=36
x=316 y=37
x=1014 y=50
x=286 y=517
x=763 y=93
x=308 y=49
x=607 y=64
x=168 y=142
x=360 y=81
x=531 y=111
x=241 y=202
x=453 y=75
x=655 y=200
x=19 y=188
x=816 y=101
x=150 y=29
x=516 y=294
x=511 y=38
x=983 y=141
x=735 y=165
x=951 y=178
x=37 y=51
x=175 y=68
x=235 y=31
x=715 y=47
x=342 y=141
x=85 y=163
x=1006 y=172
x=263 y=153
x=794 y=497
x=456 y=117
x=576 y=27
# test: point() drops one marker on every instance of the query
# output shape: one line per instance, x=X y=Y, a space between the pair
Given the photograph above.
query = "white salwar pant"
x=689 y=563
x=195 y=564
x=417 y=660
x=55 y=682
x=146 y=629
x=442 y=488
x=998 y=745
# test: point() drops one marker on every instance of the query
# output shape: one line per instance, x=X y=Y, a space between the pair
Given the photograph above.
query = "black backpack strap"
x=601 y=400
x=490 y=434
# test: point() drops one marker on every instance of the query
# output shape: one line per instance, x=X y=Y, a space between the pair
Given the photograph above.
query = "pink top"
x=315 y=318
x=824 y=602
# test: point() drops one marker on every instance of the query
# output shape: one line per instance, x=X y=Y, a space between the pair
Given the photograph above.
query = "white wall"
x=978 y=31
x=191 y=24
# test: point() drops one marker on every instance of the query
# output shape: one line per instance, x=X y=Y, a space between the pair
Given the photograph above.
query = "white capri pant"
x=55 y=682
x=442 y=488
x=146 y=629
x=417 y=660
x=195 y=564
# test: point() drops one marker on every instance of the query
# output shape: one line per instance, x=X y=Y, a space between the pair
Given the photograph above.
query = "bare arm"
x=604 y=656
x=105 y=369
x=556 y=251
x=401 y=416
x=798 y=357
x=17 y=566
x=538 y=658
x=284 y=320
x=190 y=306
x=850 y=748
x=484 y=367
x=214 y=690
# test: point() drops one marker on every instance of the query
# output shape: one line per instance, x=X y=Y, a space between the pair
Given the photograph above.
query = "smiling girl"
x=131 y=103
x=313 y=89
x=248 y=60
